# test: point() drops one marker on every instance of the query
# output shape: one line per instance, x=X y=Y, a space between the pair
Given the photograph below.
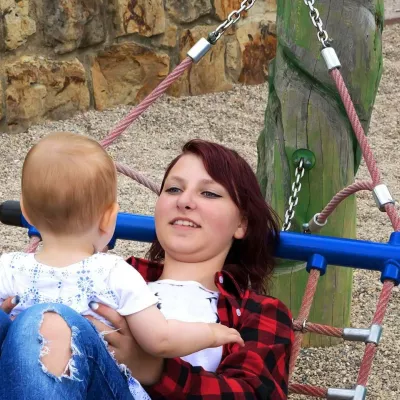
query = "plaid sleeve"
x=259 y=370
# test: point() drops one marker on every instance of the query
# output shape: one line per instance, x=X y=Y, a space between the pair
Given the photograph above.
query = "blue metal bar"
x=293 y=246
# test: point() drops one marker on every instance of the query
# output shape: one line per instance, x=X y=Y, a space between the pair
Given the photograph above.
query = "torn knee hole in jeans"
x=70 y=370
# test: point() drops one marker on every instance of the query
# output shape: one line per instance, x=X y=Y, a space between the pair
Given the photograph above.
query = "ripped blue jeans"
x=93 y=374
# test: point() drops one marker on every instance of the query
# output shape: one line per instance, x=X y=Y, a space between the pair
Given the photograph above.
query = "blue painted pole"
x=383 y=257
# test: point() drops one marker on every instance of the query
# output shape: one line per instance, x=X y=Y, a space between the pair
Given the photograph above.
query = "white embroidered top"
x=189 y=301
x=104 y=278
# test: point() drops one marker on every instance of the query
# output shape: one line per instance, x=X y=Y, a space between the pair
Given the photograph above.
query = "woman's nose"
x=186 y=201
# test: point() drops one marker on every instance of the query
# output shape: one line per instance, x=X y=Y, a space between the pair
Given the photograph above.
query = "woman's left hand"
x=143 y=366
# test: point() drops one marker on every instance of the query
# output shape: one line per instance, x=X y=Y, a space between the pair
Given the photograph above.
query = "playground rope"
x=371 y=348
x=33 y=244
x=138 y=177
x=147 y=102
x=363 y=141
x=339 y=197
x=308 y=390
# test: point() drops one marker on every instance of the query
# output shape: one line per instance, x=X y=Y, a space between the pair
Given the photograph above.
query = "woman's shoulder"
x=149 y=270
x=268 y=308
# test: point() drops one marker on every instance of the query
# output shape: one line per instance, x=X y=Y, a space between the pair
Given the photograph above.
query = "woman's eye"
x=173 y=189
x=211 y=195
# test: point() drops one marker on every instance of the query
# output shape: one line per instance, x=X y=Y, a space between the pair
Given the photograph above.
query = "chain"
x=232 y=18
x=316 y=20
x=293 y=199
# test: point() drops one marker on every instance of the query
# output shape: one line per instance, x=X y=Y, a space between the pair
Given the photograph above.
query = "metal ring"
x=304 y=326
x=314 y=15
x=322 y=36
x=231 y=19
x=250 y=3
x=319 y=223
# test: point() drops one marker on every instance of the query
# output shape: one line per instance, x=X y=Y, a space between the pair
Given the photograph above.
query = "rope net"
x=301 y=325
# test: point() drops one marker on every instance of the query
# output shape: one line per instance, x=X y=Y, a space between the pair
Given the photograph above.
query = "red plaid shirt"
x=259 y=370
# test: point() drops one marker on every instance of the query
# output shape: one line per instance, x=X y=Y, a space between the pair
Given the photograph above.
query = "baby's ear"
x=109 y=218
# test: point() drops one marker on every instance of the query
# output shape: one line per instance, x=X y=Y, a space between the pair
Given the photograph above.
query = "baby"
x=69 y=193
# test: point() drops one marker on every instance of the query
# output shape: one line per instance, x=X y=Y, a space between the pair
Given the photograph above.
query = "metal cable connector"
x=358 y=393
x=371 y=335
x=199 y=50
x=331 y=58
x=382 y=196
x=313 y=225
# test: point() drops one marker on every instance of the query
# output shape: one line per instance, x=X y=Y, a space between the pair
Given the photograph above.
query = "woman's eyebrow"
x=207 y=181
x=176 y=178
x=182 y=180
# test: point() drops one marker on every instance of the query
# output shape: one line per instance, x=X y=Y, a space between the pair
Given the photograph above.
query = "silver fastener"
x=331 y=58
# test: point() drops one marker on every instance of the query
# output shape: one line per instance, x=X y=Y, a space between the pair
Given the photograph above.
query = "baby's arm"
x=171 y=338
x=152 y=331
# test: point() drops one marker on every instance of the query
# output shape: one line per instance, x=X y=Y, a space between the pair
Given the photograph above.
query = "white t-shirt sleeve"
x=6 y=286
x=131 y=289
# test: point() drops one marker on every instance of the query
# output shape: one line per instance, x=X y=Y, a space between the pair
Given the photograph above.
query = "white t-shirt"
x=104 y=278
x=189 y=301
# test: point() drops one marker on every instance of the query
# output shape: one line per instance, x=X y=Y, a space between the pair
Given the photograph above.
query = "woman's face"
x=196 y=220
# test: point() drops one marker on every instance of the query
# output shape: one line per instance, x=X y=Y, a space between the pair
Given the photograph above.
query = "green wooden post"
x=305 y=111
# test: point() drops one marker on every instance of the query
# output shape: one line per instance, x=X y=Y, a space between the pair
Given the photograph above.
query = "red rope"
x=33 y=244
x=371 y=348
x=147 y=102
x=339 y=197
x=303 y=315
x=138 y=177
x=317 y=328
x=357 y=127
x=308 y=390
x=363 y=141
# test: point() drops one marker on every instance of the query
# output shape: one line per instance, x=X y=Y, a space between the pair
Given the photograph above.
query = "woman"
x=216 y=238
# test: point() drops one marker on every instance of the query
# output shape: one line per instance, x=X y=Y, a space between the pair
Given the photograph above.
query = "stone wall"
x=58 y=57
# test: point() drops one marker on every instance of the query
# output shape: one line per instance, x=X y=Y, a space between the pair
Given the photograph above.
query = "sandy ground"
x=235 y=119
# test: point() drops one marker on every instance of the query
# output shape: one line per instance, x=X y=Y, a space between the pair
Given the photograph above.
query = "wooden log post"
x=304 y=111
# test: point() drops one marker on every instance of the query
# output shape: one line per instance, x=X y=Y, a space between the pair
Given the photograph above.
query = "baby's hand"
x=224 y=335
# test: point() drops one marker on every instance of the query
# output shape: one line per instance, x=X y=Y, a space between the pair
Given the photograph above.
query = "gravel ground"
x=156 y=138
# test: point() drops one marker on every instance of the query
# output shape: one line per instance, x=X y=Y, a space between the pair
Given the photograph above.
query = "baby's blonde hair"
x=68 y=182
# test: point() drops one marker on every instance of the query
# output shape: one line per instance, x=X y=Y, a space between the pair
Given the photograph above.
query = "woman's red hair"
x=251 y=259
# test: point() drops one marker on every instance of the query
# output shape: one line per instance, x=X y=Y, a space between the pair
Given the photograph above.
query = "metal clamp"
x=375 y=334
x=382 y=196
x=331 y=58
x=358 y=393
x=199 y=50
x=313 y=225
x=371 y=335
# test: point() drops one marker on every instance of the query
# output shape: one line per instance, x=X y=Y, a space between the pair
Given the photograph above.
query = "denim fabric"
x=92 y=374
